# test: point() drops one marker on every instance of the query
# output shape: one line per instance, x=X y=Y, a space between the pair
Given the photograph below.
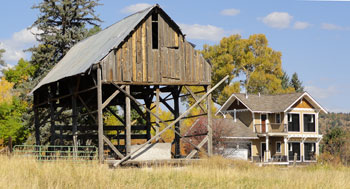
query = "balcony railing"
x=271 y=128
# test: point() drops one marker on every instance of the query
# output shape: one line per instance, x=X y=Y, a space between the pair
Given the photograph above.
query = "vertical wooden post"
x=52 y=115
x=128 y=121
x=74 y=121
x=157 y=111
x=177 y=124
x=148 y=103
x=210 y=131
x=36 y=121
x=99 y=115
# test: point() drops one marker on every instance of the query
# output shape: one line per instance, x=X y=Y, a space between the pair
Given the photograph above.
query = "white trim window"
x=278 y=147
x=309 y=122
x=294 y=148
x=309 y=151
x=293 y=122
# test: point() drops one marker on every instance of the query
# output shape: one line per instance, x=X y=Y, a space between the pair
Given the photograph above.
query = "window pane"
x=293 y=122
x=309 y=122
x=278 y=118
x=309 y=151
x=278 y=147
x=294 y=148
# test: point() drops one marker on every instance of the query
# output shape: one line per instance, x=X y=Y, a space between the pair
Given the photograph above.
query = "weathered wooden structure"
x=136 y=64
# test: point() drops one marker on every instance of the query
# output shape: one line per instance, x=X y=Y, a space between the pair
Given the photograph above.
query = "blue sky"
x=313 y=36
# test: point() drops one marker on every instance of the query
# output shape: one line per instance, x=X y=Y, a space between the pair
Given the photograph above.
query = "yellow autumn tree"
x=5 y=91
x=250 y=63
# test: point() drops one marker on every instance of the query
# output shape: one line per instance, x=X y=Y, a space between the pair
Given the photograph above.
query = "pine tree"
x=2 y=62
x=61 y=24
x=285 y=80
x=296 y=83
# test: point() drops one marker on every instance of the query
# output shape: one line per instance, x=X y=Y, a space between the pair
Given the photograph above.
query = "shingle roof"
x=271 y=103
x=235 y=129
x=93 y=49
x=223 y=127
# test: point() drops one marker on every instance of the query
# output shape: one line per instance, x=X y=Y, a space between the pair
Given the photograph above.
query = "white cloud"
x=135 y=8
x=205 y=32
x=300 y=25
x=321 y=93
x=15 y=45
x=230 y=12
x=280 y=20
x=328 y=26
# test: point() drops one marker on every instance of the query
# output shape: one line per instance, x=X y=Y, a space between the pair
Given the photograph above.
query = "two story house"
x=286 y=125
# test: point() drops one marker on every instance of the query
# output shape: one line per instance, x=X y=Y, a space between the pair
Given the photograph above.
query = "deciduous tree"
x=251 y=64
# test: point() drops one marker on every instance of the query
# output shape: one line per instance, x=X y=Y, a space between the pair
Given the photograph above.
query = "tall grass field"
x=16 y=172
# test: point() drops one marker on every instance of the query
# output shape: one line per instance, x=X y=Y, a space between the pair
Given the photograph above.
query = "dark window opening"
x=309 y=151
x=154 y=17
x=154 y=31
x=294 y=148
x=309 y=123
x=293 y=122
x=278 y=118
x=278 y=147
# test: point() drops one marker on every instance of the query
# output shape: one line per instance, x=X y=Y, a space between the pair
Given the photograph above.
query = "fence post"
x=295 y=159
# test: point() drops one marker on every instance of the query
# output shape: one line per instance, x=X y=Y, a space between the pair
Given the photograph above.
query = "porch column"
x=302 y=150
x=317 y=148
x=267 y=148
x=286 y=147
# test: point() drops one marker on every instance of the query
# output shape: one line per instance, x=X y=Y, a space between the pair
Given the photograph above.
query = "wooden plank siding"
x=175 y=61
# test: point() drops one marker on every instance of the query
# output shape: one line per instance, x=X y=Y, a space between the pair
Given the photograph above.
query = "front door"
x=262 y=151
x=263 y=123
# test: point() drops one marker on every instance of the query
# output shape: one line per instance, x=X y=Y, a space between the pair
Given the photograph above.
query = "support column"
x=99 y=115
x=177 y=124
x=37 y=127
x=127 y=121
x=157 y=111
x=148 y=103
x=52 y=114
x=267 y=155
x=210 y=131
x=74 y=121
x=286 y=148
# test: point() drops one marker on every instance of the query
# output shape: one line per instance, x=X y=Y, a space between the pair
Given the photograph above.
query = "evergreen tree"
x=2 y=62
x=296 y=83
x=285 y=80
x=61 y=24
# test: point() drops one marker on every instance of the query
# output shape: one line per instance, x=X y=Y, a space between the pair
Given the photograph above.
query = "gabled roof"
x=83 y=55
x=269 y=103
x=226 y=128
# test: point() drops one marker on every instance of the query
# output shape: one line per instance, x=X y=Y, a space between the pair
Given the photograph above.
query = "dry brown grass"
x=210 y=173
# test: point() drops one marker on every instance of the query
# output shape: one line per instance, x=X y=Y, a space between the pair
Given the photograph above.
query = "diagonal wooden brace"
x=170 y=125
x=112 y=146
x=194 y=97
x=200 y=145
x=110 y=98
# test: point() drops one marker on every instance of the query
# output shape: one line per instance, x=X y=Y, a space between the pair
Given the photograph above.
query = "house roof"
x=83 y=55
x=226 y=128
x=235 y=129
x=269 y=103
